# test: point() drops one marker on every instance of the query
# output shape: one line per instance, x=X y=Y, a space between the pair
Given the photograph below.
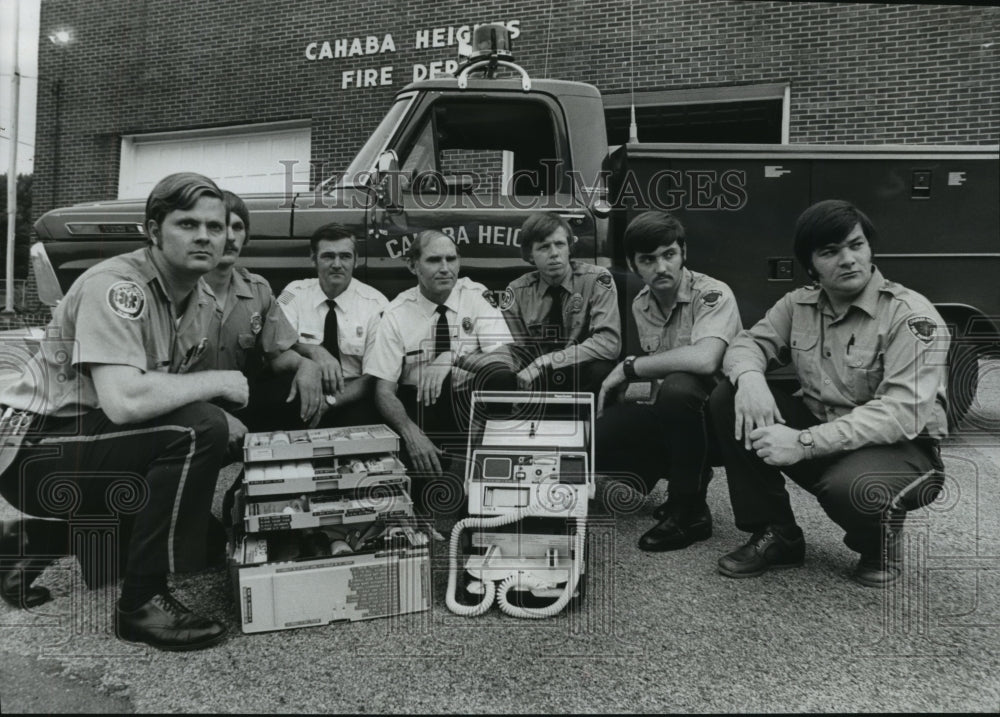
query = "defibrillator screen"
x=496 y=468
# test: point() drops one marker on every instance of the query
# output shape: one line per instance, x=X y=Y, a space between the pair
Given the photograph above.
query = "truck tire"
x=963 y=381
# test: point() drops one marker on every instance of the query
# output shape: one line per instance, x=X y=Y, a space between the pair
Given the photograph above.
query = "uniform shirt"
x=404 y=341
x=236 y=335
x=117 y=312
x=704 y=308
x=358 y=309
x=875 y=375
x=591 y=324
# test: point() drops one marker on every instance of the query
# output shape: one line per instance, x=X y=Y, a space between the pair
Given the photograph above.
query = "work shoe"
x=679 y=529
x=874 y=571
x=18 y=572
x=166 y=624
x=765 y=550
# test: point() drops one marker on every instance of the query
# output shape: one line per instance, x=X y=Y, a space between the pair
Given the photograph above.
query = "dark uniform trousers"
x=268 y=409
x=585 y=377
x=861 y=490
x=670 y=438
x=446 y=424
x=156 y=479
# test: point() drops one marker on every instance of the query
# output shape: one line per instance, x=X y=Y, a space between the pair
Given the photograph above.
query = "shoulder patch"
x=506 y=299
x=127 y=299
x=711 y=298
x=488 y=295
x=923 y=327
x=604 y=279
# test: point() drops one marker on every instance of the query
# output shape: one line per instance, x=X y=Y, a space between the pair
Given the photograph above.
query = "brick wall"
x=859 y=73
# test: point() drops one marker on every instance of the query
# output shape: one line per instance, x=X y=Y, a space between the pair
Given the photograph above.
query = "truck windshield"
x=364 y=162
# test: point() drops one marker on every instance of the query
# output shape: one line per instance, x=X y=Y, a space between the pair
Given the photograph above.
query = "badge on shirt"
x=360 y=331
x=922 y=327
x=467 y=325
x=256 y=323
x=506 y=299
x=488 y=295
x=604 y=279
x=711 y=298
x=127 y=299
x=576 y=303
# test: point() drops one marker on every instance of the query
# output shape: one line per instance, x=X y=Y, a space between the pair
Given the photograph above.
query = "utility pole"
x=15 y=91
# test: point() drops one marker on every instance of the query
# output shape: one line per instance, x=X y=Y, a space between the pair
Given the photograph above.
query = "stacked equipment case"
x=323 y=530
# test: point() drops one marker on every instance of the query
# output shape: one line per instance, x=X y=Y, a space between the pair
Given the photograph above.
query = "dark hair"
x=538 y=227
x=651 y=230
x=414 y=250
x=235 y=205
x=827 y=222
x=332 y=232
x=181 y=190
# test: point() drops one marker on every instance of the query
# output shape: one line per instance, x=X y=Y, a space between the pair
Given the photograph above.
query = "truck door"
x=474 y=167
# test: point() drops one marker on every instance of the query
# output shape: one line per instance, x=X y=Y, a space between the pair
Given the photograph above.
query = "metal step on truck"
x=473 y=155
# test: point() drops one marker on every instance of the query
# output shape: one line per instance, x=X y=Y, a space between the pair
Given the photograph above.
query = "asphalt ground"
x=654 y=633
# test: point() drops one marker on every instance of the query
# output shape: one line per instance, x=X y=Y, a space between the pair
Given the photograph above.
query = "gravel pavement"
x=655 y=633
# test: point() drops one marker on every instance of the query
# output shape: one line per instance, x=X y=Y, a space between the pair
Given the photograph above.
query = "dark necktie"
x=553 y=330
x=331 y=342
x=442 y=333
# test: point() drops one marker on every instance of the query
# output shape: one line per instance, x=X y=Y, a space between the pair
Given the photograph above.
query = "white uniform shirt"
x=358 y=308
x=404 y=341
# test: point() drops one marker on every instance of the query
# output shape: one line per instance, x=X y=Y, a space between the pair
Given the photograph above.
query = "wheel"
x=963 y=380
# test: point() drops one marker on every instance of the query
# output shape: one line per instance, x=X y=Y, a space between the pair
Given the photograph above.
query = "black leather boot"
x=19 y=567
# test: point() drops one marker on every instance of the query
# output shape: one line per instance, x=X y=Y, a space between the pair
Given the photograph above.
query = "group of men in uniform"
x=149 y=377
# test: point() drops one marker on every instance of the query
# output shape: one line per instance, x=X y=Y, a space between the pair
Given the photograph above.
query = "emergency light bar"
x=490 y=49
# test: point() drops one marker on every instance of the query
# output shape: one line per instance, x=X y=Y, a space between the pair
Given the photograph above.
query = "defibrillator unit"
x=529 y=477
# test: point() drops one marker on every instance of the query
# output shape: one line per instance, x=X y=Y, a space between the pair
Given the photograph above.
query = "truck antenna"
x=633 y=128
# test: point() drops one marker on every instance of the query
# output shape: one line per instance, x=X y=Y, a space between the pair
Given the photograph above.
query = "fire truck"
x=474 y=154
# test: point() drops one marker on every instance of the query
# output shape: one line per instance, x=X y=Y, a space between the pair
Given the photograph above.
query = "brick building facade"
x=856 y=73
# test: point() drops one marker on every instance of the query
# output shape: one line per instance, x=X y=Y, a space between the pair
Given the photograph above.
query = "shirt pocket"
x=650 y=342
x=353 y=347
x=863 y=372
x=247 y=341
x=804 y=348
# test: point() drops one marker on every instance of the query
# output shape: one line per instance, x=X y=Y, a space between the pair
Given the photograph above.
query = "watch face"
x=805 y=438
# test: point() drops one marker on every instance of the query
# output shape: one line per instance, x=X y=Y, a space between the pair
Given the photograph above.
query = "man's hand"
x=233 y=390
x=308 y=386
x=333 y=373
x=777 y=445
x=423 y=453
x=615 y=379
x=237 y=430
x=527 y=376
x=755 y=406
x=430 y=380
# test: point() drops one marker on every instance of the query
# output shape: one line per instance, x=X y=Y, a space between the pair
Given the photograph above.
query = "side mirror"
x=386 y=180
x=388 y=162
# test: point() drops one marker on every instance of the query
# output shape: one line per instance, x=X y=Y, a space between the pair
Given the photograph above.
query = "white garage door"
x=245 y=160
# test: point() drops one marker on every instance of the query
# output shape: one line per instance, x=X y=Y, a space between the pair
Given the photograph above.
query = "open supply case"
x=322 y=530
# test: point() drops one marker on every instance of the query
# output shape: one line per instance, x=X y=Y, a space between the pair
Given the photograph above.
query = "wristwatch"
x=806 y=441
x=628 y=368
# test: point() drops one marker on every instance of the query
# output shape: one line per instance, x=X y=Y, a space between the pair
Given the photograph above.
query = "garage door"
x=246 y=160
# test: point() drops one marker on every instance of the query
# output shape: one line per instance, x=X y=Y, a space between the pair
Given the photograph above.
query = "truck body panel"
x=475 y=162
